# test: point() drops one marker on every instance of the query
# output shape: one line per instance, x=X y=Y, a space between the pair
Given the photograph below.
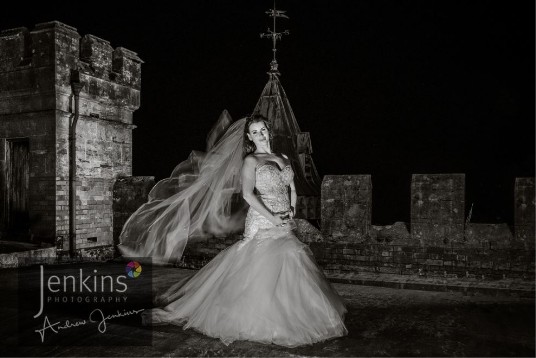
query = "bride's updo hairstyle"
x=249 y=146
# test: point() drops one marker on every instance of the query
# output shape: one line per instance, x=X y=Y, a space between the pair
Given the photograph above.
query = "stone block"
x=13 y=48
x=53 y=41
x=346 y=206
x=437 y=208
x=129 y=193
x=524 y=211
x=128 y=65
x=98 y=53
x=495 y=235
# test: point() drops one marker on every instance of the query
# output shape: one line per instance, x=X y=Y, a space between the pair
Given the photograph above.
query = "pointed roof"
x=287 y=136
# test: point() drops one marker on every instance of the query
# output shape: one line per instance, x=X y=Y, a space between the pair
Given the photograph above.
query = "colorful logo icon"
x=133 y=269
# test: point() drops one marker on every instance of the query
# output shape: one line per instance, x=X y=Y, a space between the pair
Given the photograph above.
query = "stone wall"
x=483 y=250
x=437 y=208
x=129 y=193
x=494 y=235
x=447 y=261
x=37 y=103
x=486 y=260
x=524 y=204
x=346 y=206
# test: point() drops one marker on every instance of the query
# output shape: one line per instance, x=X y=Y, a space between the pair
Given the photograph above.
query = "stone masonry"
x=524 y=204
x=438 y=208
x=129 y=193
x=37 y=105
x=346 y=206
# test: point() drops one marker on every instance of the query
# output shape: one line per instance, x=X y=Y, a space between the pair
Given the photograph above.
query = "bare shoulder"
x=250 y=160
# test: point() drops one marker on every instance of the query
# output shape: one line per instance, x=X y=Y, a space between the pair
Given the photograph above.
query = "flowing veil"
x=200 y=198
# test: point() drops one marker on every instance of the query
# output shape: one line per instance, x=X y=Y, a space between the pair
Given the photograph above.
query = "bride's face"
x=258 y=133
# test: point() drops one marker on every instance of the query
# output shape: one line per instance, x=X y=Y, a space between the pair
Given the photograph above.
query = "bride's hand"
x=280 y=220
x=291 y=213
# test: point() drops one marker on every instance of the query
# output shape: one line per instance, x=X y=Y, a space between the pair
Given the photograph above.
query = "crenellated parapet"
x=14 y=48
x=101 y=60
x=39 y=47
x=126 y=64
x=37 y=106
x=43 y=61
x=97 y=54
x=524 y=209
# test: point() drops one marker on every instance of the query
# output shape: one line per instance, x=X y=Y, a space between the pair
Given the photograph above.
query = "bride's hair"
x=249 y=146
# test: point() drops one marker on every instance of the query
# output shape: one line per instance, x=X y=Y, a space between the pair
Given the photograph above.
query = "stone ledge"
x=29 y=257
x=467 y=286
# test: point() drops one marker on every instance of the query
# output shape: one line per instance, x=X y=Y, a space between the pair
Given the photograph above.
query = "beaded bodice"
x=271 y=184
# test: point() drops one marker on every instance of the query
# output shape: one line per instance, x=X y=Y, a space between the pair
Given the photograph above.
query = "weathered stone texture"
x=37 y=103
x=126 y=64
x=129 y=193
x=346 y=206
x=13 y=47
x=353 y=257
x=524 y=204
x=494 y=235
x=397 y=233
x=447 y=261
x=104 y=149
x=42 y=198
x=97 y=53
x=93 y=212
x=437 y=208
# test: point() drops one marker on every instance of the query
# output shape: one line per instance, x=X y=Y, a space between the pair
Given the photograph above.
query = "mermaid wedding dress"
x=265 y=288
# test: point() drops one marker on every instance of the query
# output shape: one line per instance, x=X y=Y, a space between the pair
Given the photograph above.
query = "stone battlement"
x=37 y=105
x=54 y=40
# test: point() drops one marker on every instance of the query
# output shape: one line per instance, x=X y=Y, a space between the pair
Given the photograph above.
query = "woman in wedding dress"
x=267 y=287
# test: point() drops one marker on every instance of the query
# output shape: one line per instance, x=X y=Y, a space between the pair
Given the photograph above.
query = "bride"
x=266 y=287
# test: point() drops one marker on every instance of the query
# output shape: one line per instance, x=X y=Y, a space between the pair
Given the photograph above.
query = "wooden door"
x=17 y=189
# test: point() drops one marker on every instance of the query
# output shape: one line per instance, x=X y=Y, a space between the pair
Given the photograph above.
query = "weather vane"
x=274 y=35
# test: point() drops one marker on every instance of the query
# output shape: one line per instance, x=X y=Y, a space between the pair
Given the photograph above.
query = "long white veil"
x=200 y=198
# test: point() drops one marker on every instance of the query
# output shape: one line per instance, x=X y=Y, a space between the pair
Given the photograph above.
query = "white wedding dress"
x=265 y=288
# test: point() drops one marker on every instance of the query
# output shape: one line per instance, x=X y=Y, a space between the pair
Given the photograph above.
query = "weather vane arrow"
x=274 y=35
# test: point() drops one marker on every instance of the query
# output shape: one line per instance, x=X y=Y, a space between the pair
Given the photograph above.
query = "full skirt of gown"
x=267 y=289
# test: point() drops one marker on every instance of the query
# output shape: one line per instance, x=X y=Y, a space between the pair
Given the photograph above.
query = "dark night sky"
x=387 y=88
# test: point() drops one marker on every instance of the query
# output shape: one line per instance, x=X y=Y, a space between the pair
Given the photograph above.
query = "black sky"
x=387 y=88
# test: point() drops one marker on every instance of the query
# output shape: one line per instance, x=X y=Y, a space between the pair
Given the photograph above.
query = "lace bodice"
x=271 y=184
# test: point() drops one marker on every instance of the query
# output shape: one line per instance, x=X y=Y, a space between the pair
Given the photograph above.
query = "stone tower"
x=37 y=106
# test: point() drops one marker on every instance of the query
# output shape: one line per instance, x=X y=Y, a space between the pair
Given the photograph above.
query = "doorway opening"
x=16 y=219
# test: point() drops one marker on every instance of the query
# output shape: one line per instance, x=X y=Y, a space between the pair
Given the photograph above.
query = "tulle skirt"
x=268 y=289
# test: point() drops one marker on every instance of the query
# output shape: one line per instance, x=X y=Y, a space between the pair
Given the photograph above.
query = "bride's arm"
x=248 y=184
